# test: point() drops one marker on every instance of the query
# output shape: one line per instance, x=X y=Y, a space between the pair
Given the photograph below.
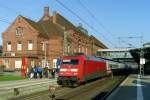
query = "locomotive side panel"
x=94 y=69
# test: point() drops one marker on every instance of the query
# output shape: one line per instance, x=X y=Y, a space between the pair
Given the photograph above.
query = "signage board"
x=142 y=61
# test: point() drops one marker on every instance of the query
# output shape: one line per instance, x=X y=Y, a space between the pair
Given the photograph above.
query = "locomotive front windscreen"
x=70 y=62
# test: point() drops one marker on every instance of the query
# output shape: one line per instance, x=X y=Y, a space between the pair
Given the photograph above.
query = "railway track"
x=98 y=89
x=94 y=90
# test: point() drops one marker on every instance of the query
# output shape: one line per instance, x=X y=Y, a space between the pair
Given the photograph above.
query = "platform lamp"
x=142 y=59
x=142 y=62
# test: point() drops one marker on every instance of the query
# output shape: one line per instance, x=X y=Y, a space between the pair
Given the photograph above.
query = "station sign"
x=142 y=61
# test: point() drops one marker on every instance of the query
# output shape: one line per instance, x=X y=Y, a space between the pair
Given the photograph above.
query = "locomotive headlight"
x=63 y=70
x=74 y=70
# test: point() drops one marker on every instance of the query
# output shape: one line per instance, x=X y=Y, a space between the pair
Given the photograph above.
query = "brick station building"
x=44 y=40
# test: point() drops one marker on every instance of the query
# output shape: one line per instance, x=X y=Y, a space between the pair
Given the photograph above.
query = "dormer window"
x=19 y=31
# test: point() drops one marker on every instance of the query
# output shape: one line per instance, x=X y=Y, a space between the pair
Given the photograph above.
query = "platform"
x=12 y=89
x=132 y=88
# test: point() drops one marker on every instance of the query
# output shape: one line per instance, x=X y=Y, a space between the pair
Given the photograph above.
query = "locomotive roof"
x=93 y=58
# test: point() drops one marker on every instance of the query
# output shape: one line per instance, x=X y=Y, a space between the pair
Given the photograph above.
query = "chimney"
x=54 y=17
x=46 y=13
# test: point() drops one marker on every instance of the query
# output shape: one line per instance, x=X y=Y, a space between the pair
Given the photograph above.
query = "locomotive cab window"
x=71 y=62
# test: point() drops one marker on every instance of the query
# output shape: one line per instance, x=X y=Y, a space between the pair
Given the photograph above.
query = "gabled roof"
x=51 y=29
x=35 y=25
x=45 y=28
x=98 y=42
x=64 y=22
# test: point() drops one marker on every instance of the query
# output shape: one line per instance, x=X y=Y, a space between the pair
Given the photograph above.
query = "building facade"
x=43 y=41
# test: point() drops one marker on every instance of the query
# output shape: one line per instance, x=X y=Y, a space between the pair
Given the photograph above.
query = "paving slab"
x=132 y=88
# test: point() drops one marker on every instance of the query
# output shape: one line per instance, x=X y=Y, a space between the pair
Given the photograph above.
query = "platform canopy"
x=137 y=52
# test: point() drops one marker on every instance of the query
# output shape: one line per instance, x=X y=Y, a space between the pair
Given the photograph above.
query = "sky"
x=113 y=22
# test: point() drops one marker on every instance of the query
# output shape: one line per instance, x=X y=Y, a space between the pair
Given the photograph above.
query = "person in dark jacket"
x=35 y=69
x=45 y=72
x=31 y=72
x=39 y=70
x=53 y=73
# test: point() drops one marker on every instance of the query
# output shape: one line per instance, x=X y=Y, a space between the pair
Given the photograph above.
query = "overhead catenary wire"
x=90 y=26
x=130 y=37
x=5 y=21
x=96 y=19
x=17 y=12
x=13 y=10
x=125 y=42
x=93 y=16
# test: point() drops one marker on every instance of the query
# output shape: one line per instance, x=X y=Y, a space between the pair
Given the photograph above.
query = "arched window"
x=30 y=45
x=86 y=51
x=19 y=31
x=68 y=49
x=79 y=48
x=9 y=46
x=19 y=46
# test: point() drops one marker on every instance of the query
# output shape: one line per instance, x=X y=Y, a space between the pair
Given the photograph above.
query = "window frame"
x=19 y=31
x=30 y=44
x=19 y=43
x=9 y=46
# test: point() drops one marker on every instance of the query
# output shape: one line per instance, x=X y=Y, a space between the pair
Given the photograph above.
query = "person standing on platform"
x=35 y=71
x=53 y=73
x=39 y=71
x=31 y=72
x=58 y=62
x=45 y=72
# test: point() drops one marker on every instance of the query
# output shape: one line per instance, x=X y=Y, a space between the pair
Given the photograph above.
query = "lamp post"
x=142 y=62
x=142 y=59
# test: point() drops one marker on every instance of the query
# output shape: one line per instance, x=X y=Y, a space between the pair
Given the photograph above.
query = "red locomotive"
x=77 y=69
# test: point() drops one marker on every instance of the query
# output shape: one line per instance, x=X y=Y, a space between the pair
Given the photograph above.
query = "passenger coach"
x=78 y=69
